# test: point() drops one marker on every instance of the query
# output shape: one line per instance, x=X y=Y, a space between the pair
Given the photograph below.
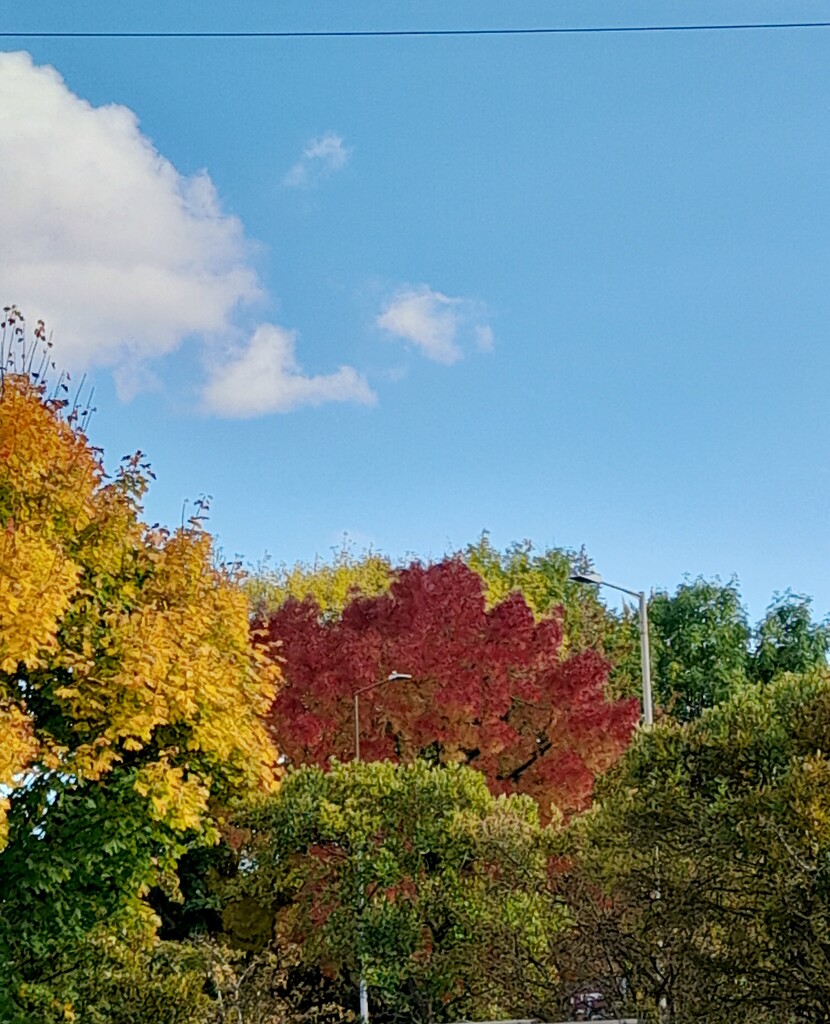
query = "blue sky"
x=568 y=288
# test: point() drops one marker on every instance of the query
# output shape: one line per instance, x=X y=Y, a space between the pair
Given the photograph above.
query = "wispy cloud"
x=264 y=377
x=435 y=323
x=125 y=257
x=485 y=339
x=322 y=157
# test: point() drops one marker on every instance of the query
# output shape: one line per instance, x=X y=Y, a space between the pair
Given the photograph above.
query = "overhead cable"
x=411 y=33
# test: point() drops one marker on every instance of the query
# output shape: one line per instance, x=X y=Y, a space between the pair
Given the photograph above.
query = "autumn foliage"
x=131 y=699
x=490 y=687
x=116 y=640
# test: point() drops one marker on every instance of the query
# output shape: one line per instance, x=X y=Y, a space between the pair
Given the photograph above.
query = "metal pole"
x=645 y=661
x=393 y=677
x=594 y=579
x=364 y=994
x=364 y=1001
x=356 y=727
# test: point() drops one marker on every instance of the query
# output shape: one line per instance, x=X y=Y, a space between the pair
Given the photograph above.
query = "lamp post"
x=594 y=578
x=393 y=677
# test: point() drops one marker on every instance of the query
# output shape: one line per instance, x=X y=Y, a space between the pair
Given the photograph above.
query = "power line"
x=388 y=33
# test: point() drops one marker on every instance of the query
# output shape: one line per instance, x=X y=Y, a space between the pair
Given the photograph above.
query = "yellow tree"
x=130 y=696
x=331 y=584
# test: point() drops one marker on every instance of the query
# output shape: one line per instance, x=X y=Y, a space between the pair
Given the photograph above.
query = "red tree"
x=489 y=687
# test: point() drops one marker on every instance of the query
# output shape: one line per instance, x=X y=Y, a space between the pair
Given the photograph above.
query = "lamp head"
x=587 y=576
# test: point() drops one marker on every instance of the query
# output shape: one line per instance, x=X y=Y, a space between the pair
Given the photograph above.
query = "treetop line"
x=188 y=836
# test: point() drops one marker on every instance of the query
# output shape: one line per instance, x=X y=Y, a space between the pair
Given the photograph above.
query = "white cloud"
x=485 y=339
x=125 y=257
x=264 y=377
x=101 y=235
x=435 y=322
x=322 y=156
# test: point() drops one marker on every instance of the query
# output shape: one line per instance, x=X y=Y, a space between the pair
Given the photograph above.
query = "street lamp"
x=393 y=677
x=594 y=578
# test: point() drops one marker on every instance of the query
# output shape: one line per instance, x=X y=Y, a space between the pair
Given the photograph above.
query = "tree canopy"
x=490 y=686
x=130 y=695
x=541 y=576
x=702 y=637
x=788 y=640
x=331 y=584
x=704 y=649
x=151 y=869
x=704 y=863
x=419 y=875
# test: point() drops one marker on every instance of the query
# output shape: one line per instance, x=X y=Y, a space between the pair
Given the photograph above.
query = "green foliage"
x=418 y=873
x=704 y=866
x=700 y=645
x=268 y=986
x=330 y=584
x=542 y=578
x=134 y=979
x=80 y=855
x=703 y=649
x=154 y=983
x=787 y=639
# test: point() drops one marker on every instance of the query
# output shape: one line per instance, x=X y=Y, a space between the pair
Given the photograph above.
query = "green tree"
x=788 y=640
x=700 y=637
x=703 y=872
x=118 y=982
x=703 y=649
x=419 y=874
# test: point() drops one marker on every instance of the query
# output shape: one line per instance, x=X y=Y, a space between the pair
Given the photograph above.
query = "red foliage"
x=490 y=688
